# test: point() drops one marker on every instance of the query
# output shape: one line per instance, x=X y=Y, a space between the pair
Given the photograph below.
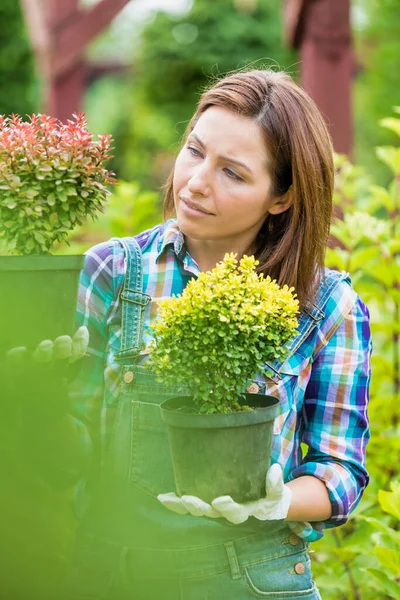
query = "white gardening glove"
x=274 y=506
x=62 y=348
x=40 y=379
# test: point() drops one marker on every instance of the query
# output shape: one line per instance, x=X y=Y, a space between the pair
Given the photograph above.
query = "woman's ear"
x=282 y=203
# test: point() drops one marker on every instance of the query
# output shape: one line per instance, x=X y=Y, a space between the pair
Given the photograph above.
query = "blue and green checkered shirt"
x=323 y=386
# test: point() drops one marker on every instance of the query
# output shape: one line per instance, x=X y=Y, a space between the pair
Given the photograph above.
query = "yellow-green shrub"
x=223 y=328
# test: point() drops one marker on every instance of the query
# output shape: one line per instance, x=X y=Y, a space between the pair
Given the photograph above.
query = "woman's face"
x=222 y=180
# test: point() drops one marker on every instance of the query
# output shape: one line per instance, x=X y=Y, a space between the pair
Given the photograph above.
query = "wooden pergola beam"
x=321 y=30
x=60 y=12
x=294 y=17
x=60 y=31
x=81 y=29
x=35 y=13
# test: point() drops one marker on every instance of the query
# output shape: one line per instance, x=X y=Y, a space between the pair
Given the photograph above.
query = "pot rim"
x=261 y=414
x=37 y=262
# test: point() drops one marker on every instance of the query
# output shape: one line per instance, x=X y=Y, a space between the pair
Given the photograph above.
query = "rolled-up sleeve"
x=336 y=429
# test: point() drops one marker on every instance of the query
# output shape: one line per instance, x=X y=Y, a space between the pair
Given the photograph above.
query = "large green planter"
x=217 y=455
x=37 y=298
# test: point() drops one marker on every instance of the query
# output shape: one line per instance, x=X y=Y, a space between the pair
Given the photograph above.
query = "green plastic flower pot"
x=38 y=298
x=217 y=455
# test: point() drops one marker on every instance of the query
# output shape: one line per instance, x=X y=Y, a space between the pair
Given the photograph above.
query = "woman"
x=254 y=176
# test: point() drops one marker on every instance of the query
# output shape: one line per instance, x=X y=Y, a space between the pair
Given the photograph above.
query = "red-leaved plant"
x=52 y=177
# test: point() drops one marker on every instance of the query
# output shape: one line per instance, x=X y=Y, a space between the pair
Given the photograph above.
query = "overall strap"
x=312 y=315
x=133 y=303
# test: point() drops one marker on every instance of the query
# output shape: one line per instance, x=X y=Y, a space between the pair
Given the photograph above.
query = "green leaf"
x=383 y=196
x=340 y=231
x=388 y=585
x=32 y=193
x=62 y=195
x=390 y=501
x=39 y=237
x=337 y=258
x=361 y=256
x=389 y=559
x=391 y=123
x=394 y=246
x=391 y=157
x=384 y=274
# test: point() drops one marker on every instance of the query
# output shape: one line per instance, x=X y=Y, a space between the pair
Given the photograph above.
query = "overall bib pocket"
x=284 y=577
x=150 y=456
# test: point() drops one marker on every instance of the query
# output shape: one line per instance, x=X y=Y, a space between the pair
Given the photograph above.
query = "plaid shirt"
x=323 y=386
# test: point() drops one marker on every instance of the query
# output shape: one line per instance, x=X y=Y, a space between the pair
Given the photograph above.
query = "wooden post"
x=60 y=32
x=320 y=29
x=35 y=12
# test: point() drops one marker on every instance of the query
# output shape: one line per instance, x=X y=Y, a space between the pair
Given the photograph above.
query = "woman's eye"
x=193 y=151
x=232 y=175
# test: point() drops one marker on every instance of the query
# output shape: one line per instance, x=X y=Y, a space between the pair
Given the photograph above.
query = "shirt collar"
x=173 y=237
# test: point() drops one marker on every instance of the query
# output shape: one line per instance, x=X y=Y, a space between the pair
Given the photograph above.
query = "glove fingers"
x=16 y=356
x=80 y=342
x=172 y=502
x=62 y=347
x=198 y=508
x=230 y=510
x=43 y=352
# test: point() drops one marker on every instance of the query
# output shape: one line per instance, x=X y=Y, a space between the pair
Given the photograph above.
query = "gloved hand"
x=274 y=506
x=39 y=380
x=38 y=436
x=63 y=347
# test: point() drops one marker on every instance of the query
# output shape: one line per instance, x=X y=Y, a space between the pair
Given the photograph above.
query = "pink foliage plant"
x=52 y=177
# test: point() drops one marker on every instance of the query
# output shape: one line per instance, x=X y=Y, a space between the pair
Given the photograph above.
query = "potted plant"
x=213 y=338
x=51 y=178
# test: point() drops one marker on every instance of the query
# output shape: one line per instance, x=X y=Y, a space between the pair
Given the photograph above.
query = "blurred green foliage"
x=376 y=87
x=147 y=111
x=361 y=560
x=177 y=58
x=129 y=211
x=178 y=55
x=18 y=85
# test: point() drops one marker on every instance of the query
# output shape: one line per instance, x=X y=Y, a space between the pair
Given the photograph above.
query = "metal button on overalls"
x=253 y=389
x=299 y=568
x=129 y=377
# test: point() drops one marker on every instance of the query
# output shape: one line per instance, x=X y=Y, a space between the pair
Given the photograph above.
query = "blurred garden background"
x=142 y=76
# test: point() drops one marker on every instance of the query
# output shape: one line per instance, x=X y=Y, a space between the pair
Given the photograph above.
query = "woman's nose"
x=199 y=182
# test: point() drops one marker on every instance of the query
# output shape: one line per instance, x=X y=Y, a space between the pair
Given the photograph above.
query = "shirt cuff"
x=341 y=486
x=310 y=532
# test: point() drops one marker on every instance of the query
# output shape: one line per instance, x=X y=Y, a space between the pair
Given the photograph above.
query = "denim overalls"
x=130 y=546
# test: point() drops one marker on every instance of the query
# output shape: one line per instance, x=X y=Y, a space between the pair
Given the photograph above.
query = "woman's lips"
x=194 y=209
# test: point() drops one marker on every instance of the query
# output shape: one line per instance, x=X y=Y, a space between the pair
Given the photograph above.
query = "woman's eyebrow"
x=224 y=158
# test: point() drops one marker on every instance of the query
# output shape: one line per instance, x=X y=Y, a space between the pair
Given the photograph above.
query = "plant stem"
x=396 y=313
x=346 y=564
x=396 y=359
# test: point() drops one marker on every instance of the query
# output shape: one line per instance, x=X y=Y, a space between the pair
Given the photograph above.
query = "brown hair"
x=290 y=246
